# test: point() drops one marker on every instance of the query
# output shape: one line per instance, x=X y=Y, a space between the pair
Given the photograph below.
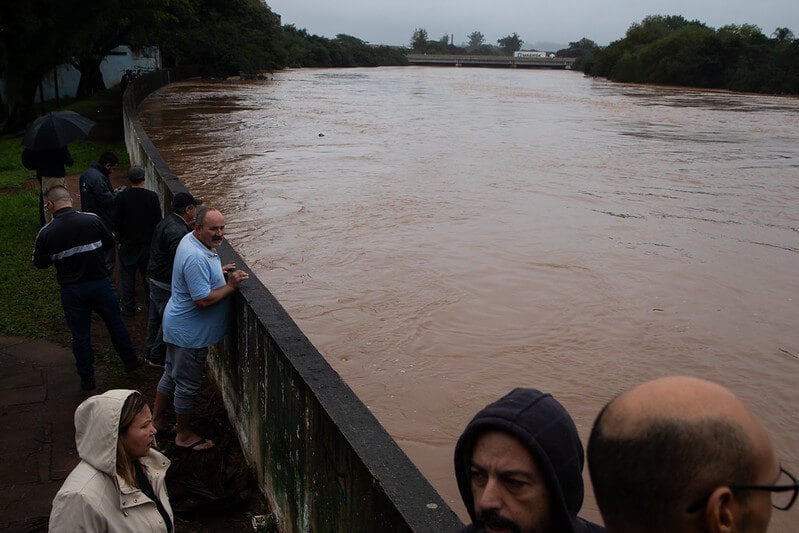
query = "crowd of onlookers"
x=676 y=454
x=187 y=289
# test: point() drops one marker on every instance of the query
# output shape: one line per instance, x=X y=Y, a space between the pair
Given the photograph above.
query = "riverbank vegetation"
x=305 y=50
x=665 y=50
x=216 y=39
x=670 y=50
x=245 y=38
x=476 y=45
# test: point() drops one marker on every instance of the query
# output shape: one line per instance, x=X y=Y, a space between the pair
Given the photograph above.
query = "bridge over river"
x=490 y=61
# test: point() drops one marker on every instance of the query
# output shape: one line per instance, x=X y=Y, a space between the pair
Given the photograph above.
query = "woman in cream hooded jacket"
x=94 y=496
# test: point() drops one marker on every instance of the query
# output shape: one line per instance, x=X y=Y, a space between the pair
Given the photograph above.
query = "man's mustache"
x=494 y=520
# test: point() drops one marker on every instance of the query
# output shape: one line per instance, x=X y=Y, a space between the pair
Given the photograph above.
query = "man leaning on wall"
x=195 y=317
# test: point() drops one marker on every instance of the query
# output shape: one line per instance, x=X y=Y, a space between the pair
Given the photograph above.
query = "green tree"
x=100 y=26
x=30 y=47
x=38 y=35
x=304 y=50
x=419 y=39
x=476 y=40
x=224 y=37
x=582 y=51
x=670 y=50
x=783 y=35
x=510 y=44
x=655 y=27
x=227 y=37
x=691 y=56
x=749 y=33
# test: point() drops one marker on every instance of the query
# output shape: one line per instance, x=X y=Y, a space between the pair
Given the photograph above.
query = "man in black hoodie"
x=519 y=467
x=97 y=196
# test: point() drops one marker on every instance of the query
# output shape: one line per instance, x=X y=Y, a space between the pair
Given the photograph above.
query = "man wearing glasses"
x=684 y=454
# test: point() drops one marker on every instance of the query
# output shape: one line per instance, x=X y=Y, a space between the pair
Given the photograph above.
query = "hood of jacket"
x=97 y=429
x=100 y=168
x=545 y=428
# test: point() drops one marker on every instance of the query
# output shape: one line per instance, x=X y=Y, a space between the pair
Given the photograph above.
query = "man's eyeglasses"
x=782 y=498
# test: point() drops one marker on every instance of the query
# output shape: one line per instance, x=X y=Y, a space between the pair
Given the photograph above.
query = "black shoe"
x=130 y=367
x=87 y=383
x=128 y=312
x=157 y=362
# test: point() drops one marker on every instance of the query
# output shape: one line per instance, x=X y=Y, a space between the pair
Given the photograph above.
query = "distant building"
x=114 y=65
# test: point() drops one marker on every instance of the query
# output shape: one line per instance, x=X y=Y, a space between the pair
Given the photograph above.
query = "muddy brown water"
x=444 y=235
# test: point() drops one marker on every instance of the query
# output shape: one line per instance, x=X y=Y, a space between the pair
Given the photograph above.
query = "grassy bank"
x=30 y=305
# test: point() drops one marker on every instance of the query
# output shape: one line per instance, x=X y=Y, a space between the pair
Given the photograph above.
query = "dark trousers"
x=156 y=349
x=133 y=258
x=78 y=301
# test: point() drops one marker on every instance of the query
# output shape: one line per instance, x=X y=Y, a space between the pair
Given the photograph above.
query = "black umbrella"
x=56 y=129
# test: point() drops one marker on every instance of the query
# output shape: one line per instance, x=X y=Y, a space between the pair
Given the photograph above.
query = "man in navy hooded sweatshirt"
x=519 y=466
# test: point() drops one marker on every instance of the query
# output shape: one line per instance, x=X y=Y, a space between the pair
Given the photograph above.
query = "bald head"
x=667 y=443
x=682 y=398
x=57 y=197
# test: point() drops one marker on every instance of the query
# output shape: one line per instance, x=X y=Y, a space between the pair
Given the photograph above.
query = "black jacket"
x=166 y=238
x=74 y=243
x=137 y=211
x=97 y=194
x=47 y=163
x=545 y=428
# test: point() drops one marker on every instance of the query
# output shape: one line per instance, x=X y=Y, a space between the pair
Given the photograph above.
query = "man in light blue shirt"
x=195 y=318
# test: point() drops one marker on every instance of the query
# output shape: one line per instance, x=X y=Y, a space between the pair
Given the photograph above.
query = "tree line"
x=671 y=50
x=666 y=50
x=217 y=37
x=244 y=37
x=476 y=45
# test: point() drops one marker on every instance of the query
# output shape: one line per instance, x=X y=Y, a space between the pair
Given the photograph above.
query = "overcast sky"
x=559 y=21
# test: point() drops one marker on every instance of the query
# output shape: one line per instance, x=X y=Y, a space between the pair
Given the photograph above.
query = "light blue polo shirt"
x=195 y=273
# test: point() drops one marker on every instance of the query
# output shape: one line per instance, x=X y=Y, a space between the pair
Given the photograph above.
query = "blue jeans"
x=183 y=376
x=155 y=330
x=132 y=258
x=78 y=301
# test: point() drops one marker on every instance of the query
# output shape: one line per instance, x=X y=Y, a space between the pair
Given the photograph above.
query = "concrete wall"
x=323 y=461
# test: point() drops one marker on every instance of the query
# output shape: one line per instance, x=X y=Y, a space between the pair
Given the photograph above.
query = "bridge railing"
x=488 y=60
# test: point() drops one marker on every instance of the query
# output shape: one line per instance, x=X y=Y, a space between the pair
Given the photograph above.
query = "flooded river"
x=443 y=235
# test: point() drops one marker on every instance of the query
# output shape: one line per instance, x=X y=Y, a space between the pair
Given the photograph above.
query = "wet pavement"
x=39 y=391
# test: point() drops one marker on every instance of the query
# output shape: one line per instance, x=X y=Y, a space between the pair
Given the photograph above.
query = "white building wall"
x=113 y=67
